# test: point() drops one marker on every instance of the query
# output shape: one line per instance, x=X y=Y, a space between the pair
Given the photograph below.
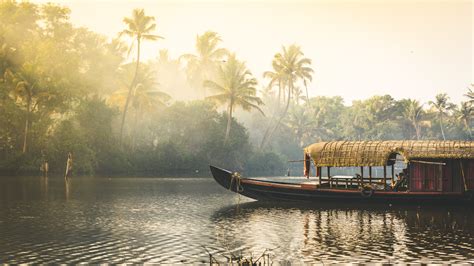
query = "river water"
x=182 y=220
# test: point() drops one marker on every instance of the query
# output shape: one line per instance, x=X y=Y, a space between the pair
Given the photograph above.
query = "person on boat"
x=395 y=182
x=401 y=181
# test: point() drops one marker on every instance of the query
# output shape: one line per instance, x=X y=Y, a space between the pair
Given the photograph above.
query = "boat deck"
x=340 y=182
x=331 y=189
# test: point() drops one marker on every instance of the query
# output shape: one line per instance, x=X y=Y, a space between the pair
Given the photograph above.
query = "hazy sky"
x=359 y=48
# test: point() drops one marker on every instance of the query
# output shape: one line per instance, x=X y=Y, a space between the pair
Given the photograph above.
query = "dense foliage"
x=66 y=89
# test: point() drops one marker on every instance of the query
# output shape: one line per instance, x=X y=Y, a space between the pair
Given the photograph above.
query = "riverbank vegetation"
x=67 y=89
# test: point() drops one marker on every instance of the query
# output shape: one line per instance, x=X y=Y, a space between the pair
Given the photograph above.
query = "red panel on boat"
x=452 y=177
x=447 y=177
x=426 y=177
x=416 y=177
x=468 y=167
x=457 y=179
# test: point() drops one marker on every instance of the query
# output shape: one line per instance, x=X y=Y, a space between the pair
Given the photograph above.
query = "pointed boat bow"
x=225 y=178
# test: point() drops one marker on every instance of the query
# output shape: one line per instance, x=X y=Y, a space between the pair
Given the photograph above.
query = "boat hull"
x=271 y=191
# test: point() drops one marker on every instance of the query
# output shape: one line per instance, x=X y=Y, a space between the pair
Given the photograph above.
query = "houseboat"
x=366 y=171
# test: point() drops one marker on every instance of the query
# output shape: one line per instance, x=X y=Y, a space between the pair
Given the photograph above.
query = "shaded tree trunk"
x=134 y=129
x=307 y=94
x=267 y=131
x=127 y=102
x=441 y=126
x=466 y=124
x=27 y=123
x=229 y=122
x=417 y=129
x=25 y=137
x=279 y=93
x=268 y=136
x=418 y=132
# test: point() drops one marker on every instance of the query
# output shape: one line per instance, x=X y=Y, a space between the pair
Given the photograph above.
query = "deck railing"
x=350 y=181
x=358 y=179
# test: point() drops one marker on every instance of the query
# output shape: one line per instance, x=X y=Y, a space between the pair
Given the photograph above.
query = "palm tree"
x=442 y=106
x=289 y=67
x=26 y=92
x=278 y=80
x=470 y=94
x=464 y=114
x=146 y=96
x=139 y=27
x=413 y=111
x=300 y=123
x=204 y=64
x=6 y=57
x=235 y=87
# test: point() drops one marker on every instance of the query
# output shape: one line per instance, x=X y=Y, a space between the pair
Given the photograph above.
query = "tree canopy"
x=67 y=89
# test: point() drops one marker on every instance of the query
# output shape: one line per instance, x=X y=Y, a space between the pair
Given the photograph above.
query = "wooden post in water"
x=384 y=177
x=370 y=175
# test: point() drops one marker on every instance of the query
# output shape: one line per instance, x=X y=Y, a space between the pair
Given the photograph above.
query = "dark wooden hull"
x=271 y=191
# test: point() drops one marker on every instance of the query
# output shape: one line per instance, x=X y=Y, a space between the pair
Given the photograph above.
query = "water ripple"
x=179 y=220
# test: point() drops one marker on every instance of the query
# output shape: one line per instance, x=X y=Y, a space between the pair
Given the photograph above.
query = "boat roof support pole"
x=329 y=176
x=393 y=172
x=320 y=175
x=384 y=177
x=370 y=175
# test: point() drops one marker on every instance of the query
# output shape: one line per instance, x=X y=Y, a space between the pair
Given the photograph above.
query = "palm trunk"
x=417 y=130
x=268 y=137
x=441 y=126
x=27 y=123
x=267 y=131
x=265 y=135
x=307 y=94
x=466 y=124
x=25 y=135
x=134 y=133
x=279 y=94
x=127 y=102
x=229 y=122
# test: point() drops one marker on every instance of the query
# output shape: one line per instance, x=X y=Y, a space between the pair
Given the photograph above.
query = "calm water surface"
x=175 y=220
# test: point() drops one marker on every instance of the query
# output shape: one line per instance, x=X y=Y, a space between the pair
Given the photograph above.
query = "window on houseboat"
x=400 y=182
x=399 y=164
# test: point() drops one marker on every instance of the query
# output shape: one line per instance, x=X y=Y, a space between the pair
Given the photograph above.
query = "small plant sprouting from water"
x=231 y=258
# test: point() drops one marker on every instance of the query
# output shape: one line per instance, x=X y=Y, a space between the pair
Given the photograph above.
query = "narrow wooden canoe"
x=263 y=190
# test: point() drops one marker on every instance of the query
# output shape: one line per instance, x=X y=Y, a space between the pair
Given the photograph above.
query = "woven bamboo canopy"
x=378 y=153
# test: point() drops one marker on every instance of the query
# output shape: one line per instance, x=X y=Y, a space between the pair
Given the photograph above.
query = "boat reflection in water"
x=354 y=233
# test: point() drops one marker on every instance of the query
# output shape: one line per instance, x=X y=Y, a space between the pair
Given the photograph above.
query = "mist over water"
x=137 y=220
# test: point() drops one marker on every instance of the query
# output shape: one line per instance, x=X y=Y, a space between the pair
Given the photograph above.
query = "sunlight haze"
x=254 y=132
x=359 y=48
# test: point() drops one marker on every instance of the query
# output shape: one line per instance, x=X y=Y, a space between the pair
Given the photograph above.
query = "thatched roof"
x=377 y=153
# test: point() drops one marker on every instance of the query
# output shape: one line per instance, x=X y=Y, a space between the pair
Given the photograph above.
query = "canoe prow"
x=224 y=178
